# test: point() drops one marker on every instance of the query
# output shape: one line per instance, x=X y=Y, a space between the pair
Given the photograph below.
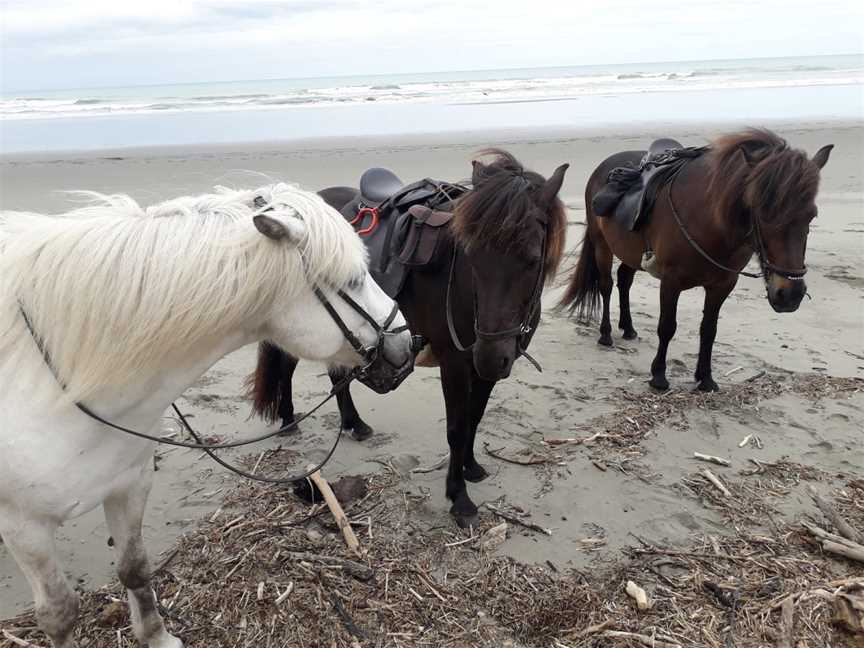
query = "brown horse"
x=749 y=193
x=477 y=304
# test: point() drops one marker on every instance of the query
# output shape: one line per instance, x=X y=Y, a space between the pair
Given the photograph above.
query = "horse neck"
x=729 y=230
x=144 y=400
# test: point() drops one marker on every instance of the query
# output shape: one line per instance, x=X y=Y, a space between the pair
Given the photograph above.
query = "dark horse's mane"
x=496 y=211
x=756 y=169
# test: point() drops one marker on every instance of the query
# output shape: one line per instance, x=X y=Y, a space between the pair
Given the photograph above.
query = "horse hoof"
x=605 y=340
x=630 y=335
x=475 y=473
x=707 y=385
x=465 y=520
x=289 y=428
x=359 y=432
x=659 y=383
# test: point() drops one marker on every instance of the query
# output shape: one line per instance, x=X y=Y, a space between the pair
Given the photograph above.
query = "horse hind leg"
x=32 y=545
x=124 y=512
x=625 y=280
x=604 y=259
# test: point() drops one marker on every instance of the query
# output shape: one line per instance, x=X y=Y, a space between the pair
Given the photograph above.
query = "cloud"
x=113 y=42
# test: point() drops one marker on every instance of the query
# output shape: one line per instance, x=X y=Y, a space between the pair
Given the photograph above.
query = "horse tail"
x=583 y=291
x=265 y=386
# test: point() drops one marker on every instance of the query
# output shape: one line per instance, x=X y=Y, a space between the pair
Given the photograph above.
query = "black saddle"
x=377 y=185
x=400 y=224
x=629 y=193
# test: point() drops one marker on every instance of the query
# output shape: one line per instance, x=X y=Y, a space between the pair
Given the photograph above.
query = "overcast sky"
x=50 y=44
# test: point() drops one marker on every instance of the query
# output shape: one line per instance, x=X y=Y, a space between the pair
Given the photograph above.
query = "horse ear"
x=477 y=168
x=274 y=229
x=821 y=157
x=553 y=185
x=749 y=160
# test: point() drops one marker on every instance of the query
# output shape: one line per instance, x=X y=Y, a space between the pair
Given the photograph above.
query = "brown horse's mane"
x=496 y=211
x=755 y=169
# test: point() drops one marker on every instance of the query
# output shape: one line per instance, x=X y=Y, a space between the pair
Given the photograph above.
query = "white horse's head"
x=342 y=317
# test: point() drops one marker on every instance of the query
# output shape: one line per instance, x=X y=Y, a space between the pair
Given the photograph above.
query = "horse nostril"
x=781 y=295
x=504 y=363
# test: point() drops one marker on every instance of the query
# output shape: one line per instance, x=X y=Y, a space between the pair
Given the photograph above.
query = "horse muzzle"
x=785 y=295
x=393 y=363
x=493 y=359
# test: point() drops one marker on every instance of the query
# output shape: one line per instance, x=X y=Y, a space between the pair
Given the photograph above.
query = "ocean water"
x=827 y=86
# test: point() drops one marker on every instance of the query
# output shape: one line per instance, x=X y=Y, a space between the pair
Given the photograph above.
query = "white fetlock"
x=165 y=640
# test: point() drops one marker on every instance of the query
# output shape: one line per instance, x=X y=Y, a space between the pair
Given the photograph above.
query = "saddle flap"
x=423 y=235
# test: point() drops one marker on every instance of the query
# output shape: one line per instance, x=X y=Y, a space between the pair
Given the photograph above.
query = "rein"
x=369 y=354
x=759 y=247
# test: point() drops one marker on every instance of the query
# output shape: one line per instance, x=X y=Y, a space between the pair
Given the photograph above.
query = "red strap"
x=361 y=215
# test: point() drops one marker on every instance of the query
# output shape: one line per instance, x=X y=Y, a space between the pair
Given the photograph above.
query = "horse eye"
x=355 y=283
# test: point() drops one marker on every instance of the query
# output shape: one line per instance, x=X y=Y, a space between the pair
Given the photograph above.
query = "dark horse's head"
x=511 y=227
x=771 y=190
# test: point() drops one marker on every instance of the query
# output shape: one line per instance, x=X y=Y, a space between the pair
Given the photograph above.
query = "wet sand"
x=590 y=511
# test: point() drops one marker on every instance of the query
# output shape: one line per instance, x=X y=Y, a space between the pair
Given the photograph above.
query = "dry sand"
x=648 y=488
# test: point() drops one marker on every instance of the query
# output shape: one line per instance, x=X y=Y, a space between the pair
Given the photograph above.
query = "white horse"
x=122 y=308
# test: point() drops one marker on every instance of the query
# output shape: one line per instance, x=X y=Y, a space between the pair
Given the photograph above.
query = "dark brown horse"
x=749 y=193
x=504 y=242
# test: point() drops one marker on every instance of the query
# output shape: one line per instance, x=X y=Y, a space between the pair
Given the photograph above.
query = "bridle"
x=757 y=243
x=370 y=354
x=521 y=330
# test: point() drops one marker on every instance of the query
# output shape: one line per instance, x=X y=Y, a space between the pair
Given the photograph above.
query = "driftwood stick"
x=717 y=483
x=645 y=640
x=853 y=553
x=516 y=520
x=17 y=640
x=533 y=461
x=720 y=461
x=597 y=627
x=784 y=635
x=336 y=509
x=355 y=569
x=835 y=544
x=843 y=527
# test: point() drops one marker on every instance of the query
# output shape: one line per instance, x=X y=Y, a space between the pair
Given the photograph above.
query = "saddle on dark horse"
x=400 y=224
x=630 y=192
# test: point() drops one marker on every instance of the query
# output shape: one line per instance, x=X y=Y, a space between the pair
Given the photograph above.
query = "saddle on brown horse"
x=400 y=224
x=629 y=193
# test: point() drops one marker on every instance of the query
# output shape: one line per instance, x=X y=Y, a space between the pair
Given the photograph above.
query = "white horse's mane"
x=115 y=290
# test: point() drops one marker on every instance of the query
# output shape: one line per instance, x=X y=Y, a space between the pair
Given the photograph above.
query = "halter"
x=757 y=243
x=520 y=331
x=370 y=355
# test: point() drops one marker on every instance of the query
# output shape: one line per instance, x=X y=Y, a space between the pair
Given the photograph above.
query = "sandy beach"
x=780 y=374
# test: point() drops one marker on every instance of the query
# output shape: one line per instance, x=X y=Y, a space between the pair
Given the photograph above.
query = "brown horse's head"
x=770 y=190
x=511 y=226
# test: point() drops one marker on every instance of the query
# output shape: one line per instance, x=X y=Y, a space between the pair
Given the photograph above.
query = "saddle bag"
x=422 y=240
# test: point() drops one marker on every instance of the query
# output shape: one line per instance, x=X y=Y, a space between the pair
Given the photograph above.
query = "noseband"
x=757 y=243
x=519 y=331
x=369 y=353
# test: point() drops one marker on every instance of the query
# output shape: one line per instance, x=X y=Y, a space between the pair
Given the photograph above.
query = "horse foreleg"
x=625 y=280
x=669 y=293
x=456 y=384
x=350 y=419
x=287 y=366
x=480 y=391
x=714 y=298
x=31 y=543
x=124 y=511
